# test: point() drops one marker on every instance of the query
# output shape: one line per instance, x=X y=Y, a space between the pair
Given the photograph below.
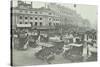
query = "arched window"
x=20 y=17
x=26 y=17
x=36 y=12
x=49 y=18
x=40 y=18
x=40 y=23
x=20 y=22
x=35 y=18
x=35 y=23
x=25 y=22
x=31 y=23
x=31 y=18
x=50 y=13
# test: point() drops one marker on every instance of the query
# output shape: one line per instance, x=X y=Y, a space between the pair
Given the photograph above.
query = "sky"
x=86 y=11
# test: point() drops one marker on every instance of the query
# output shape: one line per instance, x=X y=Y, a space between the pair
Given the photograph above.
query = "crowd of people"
x=30 y=39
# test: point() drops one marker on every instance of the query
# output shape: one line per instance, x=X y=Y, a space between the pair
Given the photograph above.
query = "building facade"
x=41 y=18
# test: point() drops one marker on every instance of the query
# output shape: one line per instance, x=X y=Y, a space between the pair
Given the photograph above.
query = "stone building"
x=25 y=16
x=51 y=16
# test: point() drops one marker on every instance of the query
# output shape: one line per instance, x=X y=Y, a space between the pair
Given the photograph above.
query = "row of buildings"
x=25 y=16
x=48 y=17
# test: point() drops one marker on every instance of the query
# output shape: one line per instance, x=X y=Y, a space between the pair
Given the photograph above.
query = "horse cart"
x=74 y=52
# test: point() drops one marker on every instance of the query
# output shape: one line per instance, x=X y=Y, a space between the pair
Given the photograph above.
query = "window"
x=31 y=18
x=40 y=23
x=57 y=19
x=20 y=22
x=21 y=11
x=20 y=17
x=28 y=6
x=35 y=12
x=31 y=23
x=40 y=12
x=50 y=24
x=49 y=13
x=35 y=23
x=25 y=22
x=35 y=18
x=54 y=24
x=49 y=18
x=21 y=6
x=26 y=17
x=40 y=18
x=31 y=12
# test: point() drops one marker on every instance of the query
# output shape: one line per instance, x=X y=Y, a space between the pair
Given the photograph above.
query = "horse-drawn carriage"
x=26 y=39
x=21 y=40
x=73 y=52
x=49 y=51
